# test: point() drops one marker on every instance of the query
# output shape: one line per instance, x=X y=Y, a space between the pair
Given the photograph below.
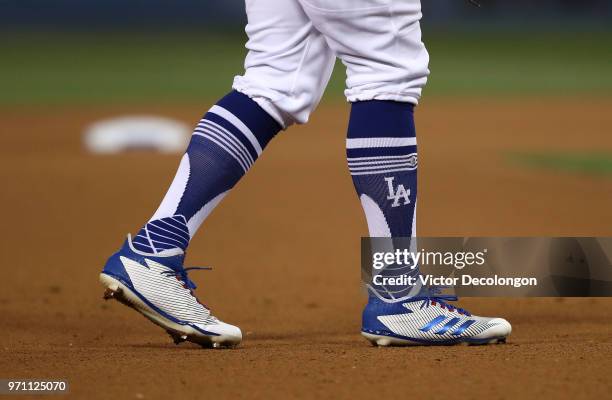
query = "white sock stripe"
x=230 y=150
x=372 y=159
x=180 y=218
x=166 y=230
x=246 y=164
x=410 y=160
x=216 y=141
x=221 y=130
x=143 y=240
x=231 y=139
x=179 y=243
x=386 y=166
x=149 y=239
x=231 y=118
x=219 y=136
x=180 y=228
x=167 y=244
x=383 y=171
x=363 y=143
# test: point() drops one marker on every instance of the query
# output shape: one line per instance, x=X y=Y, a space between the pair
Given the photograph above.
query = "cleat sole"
x=389 y=341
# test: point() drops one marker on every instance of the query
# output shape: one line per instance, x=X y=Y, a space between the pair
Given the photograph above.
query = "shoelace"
x=182 y=275
x=435 y=297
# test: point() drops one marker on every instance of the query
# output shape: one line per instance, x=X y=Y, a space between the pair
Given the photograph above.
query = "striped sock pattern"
x=162 y=234
x=227 y=141
x=224 y=145
x=392 y=155
x=381 y=151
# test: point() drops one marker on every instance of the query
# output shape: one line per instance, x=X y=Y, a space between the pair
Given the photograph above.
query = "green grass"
x=598 y=164
x=531 y=64
x=101 y=68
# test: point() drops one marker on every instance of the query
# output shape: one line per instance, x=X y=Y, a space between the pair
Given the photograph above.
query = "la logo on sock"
x=397 y=194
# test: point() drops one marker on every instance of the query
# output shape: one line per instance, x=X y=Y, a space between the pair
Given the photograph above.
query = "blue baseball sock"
x=224 y=145
x=382 y=158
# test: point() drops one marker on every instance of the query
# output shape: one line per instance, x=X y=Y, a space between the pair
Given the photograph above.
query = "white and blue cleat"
x=157 y=286
x=428 y=320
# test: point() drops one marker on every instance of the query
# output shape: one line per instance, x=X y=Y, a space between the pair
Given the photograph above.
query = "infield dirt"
x=285 y=248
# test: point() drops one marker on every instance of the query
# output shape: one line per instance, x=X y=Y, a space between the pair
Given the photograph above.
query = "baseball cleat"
x=157 y=286
x=428 y=320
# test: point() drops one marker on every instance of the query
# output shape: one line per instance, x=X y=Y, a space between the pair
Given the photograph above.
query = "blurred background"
x=65 y=51
x=515 y=139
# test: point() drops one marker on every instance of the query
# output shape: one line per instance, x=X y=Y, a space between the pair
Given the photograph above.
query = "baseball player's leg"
x=287 y=68
x=382 y=157
x=224 y=145
x=147 y=273
x=282 y=84
x=379 y=41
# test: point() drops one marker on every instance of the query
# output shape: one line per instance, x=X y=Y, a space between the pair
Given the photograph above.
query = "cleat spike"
x=177 y=337
x=108 y=294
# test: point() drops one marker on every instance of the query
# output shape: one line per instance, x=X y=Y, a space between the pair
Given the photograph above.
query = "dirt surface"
x=285 y=247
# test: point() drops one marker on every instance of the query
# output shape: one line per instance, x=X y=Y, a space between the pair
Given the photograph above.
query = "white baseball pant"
x=293 y=45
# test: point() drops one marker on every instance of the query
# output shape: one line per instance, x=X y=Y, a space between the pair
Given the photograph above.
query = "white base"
x=385 y=341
